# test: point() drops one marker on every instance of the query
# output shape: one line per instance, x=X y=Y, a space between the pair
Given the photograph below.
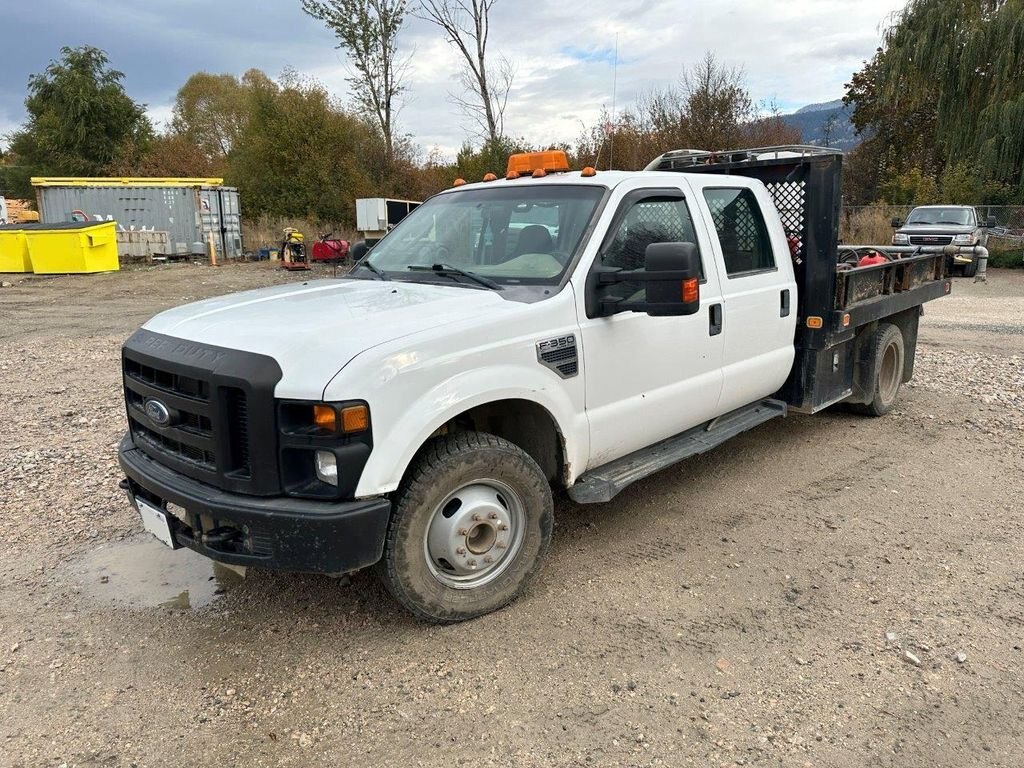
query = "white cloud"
x=793 y=51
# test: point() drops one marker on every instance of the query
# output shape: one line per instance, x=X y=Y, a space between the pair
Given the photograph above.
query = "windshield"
x=508 y=235
x=963 y=217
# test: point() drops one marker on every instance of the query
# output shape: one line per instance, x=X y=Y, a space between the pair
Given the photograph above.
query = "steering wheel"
x=439 y=251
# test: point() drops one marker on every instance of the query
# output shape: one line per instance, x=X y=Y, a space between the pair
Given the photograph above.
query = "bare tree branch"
x=466 y=25
x=367 y=30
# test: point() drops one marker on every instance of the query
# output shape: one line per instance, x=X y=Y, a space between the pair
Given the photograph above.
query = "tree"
x=367 y=30
x=466 y=23
x=828 y=127
x=80 y=119
x=301 y=154
x=168 y=155
x=947 y=87
x=210 y=112
x=717 y=104
x=709 y=109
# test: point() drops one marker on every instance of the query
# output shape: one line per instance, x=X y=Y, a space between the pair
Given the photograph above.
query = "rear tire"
x=470 y=527
x=886 y=356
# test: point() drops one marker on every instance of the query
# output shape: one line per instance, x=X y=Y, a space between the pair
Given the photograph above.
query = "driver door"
x=649 y=378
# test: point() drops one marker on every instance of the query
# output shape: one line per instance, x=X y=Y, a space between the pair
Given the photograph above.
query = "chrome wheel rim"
x=474 y=534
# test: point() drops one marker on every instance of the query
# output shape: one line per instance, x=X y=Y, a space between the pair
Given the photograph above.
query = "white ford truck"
x=551 y=329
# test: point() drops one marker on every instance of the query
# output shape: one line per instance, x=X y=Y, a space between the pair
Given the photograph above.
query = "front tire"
x=470 y=526
x=970 y=270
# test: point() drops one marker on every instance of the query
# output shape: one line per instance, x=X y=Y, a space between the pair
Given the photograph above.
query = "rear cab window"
x=741 y=231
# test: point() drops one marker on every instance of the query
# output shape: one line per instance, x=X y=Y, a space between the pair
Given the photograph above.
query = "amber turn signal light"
x=325 y=417
x=691 y=290
x=355 y=418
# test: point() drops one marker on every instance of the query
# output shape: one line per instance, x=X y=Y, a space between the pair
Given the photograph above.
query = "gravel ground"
x=823 y=591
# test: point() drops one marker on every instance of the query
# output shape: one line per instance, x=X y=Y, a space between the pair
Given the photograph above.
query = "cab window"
x=647 y=221
x=742 y=234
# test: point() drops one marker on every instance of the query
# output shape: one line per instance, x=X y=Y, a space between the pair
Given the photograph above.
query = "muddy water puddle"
x=143 y=573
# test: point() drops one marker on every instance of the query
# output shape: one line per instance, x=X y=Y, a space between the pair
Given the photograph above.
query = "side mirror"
x=990 y=222
x=671 y=277
x=896 y=222
x=358 y=250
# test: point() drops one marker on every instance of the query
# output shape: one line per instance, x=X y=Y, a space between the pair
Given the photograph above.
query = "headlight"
x=323 y=447
x=965 y=240
x=900 y=239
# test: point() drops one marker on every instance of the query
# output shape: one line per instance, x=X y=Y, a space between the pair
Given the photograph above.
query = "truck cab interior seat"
x=533 y=239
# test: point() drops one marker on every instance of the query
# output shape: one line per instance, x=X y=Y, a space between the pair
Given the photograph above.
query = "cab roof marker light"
x=511 y=176
x=458 y=182
x=588 y=172
x=552 y=161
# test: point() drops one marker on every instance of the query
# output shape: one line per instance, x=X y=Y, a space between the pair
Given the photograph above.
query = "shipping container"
x=187 y=209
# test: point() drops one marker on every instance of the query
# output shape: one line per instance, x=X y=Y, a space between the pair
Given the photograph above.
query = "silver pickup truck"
x=932 y=225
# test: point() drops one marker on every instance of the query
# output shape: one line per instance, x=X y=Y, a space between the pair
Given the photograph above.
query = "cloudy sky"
x=794 y=52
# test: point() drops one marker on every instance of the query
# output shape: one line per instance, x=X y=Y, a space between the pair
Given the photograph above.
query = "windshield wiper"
x=448 y=269
x=380 y=273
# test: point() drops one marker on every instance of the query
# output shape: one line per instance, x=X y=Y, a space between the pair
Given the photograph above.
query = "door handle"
x=784 y=307
x=715 y=319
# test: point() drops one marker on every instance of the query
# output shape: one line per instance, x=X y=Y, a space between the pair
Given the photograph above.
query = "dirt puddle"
x=143 y=573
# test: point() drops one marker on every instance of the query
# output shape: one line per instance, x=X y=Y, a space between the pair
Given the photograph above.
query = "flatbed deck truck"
x=555 y=328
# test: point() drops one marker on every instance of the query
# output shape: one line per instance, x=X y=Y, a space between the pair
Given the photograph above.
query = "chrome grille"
x=931 y=239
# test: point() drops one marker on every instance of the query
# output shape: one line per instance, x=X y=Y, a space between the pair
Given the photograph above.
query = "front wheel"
x=970 y=270
x=471 y=524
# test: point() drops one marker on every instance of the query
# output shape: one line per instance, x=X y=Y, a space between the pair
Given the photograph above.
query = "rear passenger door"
x=758 y=292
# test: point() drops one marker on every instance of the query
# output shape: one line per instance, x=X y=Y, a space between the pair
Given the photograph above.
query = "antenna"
x=615 y=85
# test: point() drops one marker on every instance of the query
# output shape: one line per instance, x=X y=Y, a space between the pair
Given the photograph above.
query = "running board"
x=605 y=483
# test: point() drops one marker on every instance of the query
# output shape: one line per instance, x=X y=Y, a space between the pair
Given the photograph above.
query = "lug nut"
x=488 y=559
x=493 y=515
x=460 y=550
x=471 y=563
x=476 y=517
x=503 y=527
x=463 y=531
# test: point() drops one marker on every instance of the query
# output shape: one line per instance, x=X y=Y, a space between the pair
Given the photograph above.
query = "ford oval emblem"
x=158 y=412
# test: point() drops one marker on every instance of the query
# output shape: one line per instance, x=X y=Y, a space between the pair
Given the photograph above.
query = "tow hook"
x=219 y=537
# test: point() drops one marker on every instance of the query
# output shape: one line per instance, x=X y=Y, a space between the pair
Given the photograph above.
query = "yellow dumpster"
x=79 y=246
x=14 y=249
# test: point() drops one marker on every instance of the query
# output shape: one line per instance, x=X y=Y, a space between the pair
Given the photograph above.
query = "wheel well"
x=522 y=422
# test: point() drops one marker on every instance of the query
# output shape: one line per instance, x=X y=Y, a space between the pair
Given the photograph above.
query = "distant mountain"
x=824 y=106
x=814 y=120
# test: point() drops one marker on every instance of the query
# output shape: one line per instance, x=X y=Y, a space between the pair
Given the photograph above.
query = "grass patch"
x=1011 y=258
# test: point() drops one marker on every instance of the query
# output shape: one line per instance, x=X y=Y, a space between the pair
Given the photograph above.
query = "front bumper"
x=281 y=532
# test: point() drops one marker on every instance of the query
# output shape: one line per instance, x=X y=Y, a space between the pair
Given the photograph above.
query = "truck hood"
x=936 y=229
x=314 y=329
